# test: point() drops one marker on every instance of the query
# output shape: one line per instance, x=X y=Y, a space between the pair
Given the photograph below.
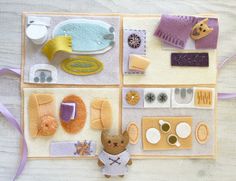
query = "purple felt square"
x=134 y=42
x=139 y=104
x=66 y=111
x=175 y=30
x=210 y=41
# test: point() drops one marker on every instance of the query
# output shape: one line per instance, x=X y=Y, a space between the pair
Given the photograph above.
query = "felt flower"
x=134 y=41
x=150 y=97
x=132 y=97
x=83 y=148
x=162 y=97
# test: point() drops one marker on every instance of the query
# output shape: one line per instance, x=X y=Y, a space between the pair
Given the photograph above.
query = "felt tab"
x=138 y=62
x=60 y=43
x=101 y=114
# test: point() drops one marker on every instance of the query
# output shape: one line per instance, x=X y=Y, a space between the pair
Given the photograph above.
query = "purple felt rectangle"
x=139 y=104
x=210 y=41
x=68 y=148
x=66 y=112
x=127 y=50
x=190 y=59
x=175 y=30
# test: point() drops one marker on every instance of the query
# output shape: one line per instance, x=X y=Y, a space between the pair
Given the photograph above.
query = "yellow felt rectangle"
x=203 y=98
x=160 y=70
x=138 y=62
x=39 y=146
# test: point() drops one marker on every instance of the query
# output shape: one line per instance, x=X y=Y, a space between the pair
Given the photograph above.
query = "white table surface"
x=222 y=169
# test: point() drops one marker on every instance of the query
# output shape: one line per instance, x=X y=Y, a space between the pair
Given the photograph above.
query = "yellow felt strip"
x=60 y=43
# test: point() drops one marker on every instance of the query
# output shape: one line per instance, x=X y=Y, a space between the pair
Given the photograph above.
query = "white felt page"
x=160 y=70
x=39 y=147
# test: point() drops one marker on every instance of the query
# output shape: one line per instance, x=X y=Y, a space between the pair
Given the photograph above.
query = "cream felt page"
x=160 y=70
x=39 y=146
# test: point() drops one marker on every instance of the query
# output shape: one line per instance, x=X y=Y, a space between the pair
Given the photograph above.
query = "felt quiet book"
x=88 y=78
x=129 y=73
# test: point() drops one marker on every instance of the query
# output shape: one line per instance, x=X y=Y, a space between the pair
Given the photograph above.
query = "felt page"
x=160 y=70
x=109 y=75
x=39 y=146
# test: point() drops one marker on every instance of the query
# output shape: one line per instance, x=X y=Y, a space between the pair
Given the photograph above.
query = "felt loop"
x=12 y=120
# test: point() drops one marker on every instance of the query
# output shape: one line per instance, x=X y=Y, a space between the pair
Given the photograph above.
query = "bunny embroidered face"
x=201 y=30
x=114 y=144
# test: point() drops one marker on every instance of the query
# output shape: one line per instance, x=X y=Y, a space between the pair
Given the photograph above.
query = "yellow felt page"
x=160 y=70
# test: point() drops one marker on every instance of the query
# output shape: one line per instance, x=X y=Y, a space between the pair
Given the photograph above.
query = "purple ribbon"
x=13 y=121
x=222 y=96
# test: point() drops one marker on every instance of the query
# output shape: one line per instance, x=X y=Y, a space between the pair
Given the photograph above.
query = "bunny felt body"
x=114 y=158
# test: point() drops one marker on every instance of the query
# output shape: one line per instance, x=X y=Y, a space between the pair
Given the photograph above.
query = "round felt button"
x=183 y=130
x=153 y=135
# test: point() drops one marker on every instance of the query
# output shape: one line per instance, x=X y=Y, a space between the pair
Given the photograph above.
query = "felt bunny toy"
x=114 y=158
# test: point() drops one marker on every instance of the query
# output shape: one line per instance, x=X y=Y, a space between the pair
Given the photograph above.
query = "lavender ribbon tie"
x=222 y=96
x=10 y=70
x=12 y=120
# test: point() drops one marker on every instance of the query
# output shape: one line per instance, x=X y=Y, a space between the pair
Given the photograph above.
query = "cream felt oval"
x=133 y=132
x=202 y=133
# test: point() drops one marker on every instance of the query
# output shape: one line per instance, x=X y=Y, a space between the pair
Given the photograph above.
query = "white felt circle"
x=153 y=135
x=36 y=32
x=183 y=130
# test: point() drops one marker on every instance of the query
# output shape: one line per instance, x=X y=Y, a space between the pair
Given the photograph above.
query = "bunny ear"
x=125 y=135
x=104 y=135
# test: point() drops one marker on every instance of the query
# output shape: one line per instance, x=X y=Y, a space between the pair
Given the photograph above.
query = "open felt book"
x=152 y=75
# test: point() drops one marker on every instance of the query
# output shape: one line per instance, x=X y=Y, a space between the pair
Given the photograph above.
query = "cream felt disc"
x=183 y=130
x=153 y=135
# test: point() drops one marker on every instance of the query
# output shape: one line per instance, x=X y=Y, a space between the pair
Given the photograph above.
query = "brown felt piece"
x=40 y=105
x=101 y=114
x=153 y=122
x=75 y=125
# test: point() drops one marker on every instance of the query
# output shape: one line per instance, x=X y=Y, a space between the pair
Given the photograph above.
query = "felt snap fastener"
x=134 y=40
